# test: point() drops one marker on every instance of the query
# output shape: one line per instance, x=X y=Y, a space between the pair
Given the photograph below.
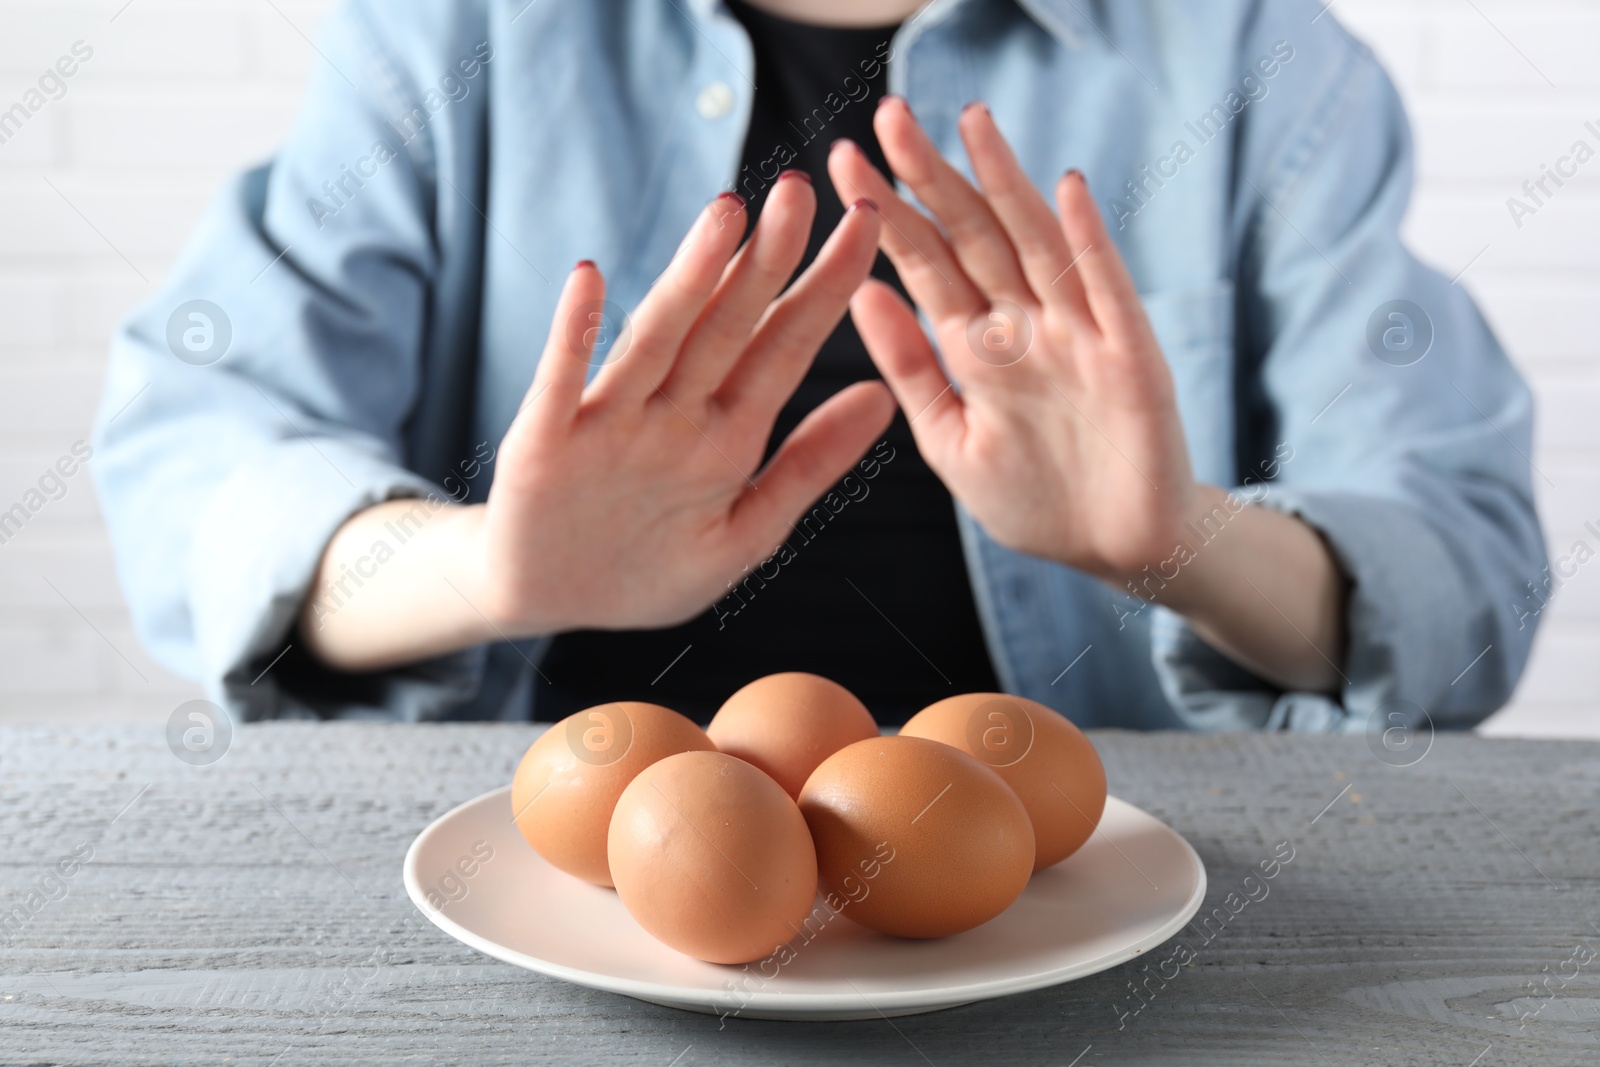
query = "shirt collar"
x=1068 y=20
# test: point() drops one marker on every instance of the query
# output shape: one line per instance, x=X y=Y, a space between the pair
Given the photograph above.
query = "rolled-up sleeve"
x=1377 y=406
x=226 y=459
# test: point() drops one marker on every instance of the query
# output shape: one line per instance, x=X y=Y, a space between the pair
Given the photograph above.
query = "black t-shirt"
x=871 y=588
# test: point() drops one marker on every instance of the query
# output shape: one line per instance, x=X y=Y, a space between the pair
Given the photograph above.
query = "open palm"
x=1052 y=418
x=633 y=500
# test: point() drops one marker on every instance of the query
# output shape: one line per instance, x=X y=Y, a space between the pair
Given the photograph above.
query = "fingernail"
x=582 y=263
x=900 y=99
x=979 y=104
x=794 y=173
x=840 y=141
x=864 y=203
x=735 y=197
x=1078 y=174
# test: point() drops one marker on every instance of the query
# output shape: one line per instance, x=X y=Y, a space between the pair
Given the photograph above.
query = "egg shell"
x=916 y=838
x=787 y=724
x=1040 y=753
x=570 y=778
x=712 y=858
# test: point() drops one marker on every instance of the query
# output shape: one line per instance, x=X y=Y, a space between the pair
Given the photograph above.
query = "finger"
x=757 y=274
x=665 y=316
x=563 y=367
x=1034 y=229
x=895 y=341
x=814 y=456
x=1112 y=296
x=979 y=240
x=794 y=327
x=921 y=256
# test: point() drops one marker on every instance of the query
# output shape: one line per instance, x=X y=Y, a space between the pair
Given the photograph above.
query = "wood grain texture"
x=251 y=912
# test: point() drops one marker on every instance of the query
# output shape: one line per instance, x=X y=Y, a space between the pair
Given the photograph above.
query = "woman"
x=1190 y=438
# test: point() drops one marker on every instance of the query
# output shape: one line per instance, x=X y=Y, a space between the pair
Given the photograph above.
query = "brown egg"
x=786 y=724
x=916 y=838
x=1040 y=753
x=712 y=858
x=570 y=779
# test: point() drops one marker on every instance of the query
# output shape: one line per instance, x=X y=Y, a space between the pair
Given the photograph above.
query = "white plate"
x=1135 y=884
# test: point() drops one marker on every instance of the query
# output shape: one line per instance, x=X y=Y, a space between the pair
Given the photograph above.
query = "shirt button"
x=714 y=101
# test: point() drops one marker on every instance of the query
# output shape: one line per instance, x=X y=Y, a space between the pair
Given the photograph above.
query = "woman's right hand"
x=632 y=501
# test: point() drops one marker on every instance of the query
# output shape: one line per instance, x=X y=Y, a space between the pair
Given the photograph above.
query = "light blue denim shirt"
x=379 y=292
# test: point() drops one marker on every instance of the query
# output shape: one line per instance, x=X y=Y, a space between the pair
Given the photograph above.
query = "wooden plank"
x=251 y=912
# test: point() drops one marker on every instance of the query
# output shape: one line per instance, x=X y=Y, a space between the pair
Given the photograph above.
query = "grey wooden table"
x=251 y=912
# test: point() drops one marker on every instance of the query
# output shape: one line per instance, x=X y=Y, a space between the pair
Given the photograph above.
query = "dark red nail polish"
x=864 y=203
x=900 y=99
x=735 y=197
x=794 y=173
x=582 y=263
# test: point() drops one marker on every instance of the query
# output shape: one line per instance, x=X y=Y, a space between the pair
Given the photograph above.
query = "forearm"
x=1259 y=585
x=398 y=582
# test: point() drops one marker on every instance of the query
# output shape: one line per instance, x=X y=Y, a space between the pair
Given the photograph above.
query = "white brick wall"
x=180 y=93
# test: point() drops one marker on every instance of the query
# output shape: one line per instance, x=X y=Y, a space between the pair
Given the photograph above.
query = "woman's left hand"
x=1057 y=425
x=1061 y=434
